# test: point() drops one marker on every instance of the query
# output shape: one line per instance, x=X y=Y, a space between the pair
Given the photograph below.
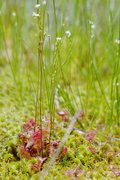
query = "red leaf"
x=92 y=149
x=80 y=114
x=34 y=151
x=36 y=136
x=65 y=118
x=55 y=144
x=22 y=138
x=24 y=152
x=35 y=166
x=90 y=135
x=29 y=125
x=39 y=164
x=64 y=150
x=53 y=147
x=35 y=139
x=115 y=171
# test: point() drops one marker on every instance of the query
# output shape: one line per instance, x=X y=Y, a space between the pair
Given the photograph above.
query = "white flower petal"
x=58 y=38
x=34 y=14
x=37 y=5
x=117 y=41
x=44 y=2
x=68 y=33
x=13 y=13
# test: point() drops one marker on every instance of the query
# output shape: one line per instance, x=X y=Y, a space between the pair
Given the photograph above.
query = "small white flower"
x=37 y=6
x=13 y=13
x=58 y=38
x=34 y=14
x=58 y=85
x=68 y=33
x=117 y=41
x=90 y=22
x=44 y=2
x=93 y=26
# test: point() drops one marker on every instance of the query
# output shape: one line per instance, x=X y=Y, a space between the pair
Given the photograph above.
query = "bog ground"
x=59 y=89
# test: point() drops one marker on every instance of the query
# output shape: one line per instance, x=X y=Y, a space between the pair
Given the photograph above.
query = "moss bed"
x=93 y=159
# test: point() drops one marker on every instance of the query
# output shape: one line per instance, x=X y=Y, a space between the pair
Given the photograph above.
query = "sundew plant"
x=59 y=89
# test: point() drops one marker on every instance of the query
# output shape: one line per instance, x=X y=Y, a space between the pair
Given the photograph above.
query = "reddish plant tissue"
x=39 y=164
x=90 y=135
x=63 y=115
x=115 y=171
x=34 y=142
x=74 y=173
x=30 y=124
x=25 y=153
x=92 y=149
x=54 y=146
x=80 y=114
x=64 y=150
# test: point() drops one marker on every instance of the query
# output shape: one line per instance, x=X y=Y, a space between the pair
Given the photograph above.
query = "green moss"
x=96 y=166
x=89 y=90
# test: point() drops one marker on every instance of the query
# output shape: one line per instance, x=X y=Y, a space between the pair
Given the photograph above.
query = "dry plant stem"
x=55 y=156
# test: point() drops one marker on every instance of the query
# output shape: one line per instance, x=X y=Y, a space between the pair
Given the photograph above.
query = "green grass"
x=80 y=71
